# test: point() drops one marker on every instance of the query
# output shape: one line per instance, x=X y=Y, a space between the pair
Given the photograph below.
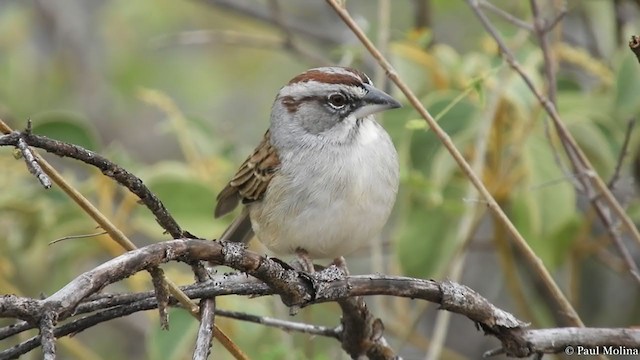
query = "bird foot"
x=303 y=261
x=341 y=264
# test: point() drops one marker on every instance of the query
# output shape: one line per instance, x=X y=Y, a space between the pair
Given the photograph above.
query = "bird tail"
x=240 y=229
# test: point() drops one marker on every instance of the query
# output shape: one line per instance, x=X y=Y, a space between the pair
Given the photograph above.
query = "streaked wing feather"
x=251 y=181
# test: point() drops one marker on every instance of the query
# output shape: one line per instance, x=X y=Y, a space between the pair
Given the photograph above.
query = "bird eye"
x=337 y=100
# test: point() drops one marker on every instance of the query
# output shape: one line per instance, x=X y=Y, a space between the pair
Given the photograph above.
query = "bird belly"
x=334 y=207
x=325 y=226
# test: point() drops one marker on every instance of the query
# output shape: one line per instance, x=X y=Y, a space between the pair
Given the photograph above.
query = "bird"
x=323 y=181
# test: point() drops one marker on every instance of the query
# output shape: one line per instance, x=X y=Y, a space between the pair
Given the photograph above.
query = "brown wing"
x=250 y=182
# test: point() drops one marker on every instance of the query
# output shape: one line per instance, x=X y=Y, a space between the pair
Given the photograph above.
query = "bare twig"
x=162 y=296
x=534 y=262
x=319 y=287
x=81 y=236
x=623 y=153
x=327 y=286
x=32 y=164
x=237 y=285
x=362 y=333
x=47 y=338
x=283 y=324
x=205 y=330
x=541 y=30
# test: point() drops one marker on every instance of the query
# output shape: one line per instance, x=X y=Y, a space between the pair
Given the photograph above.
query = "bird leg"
x=341 y=264
x=303 y=261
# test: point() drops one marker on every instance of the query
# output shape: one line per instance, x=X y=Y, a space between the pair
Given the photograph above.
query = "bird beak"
x=375 y=101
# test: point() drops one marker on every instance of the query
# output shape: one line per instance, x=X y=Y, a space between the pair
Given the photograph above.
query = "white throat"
x=369 y=131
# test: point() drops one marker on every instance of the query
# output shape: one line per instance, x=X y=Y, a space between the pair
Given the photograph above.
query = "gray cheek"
x=315 y=119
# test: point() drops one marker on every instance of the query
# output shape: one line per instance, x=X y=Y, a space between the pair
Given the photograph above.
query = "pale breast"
x=330 y=201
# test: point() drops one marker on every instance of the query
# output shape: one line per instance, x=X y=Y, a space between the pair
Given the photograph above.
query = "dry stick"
x=317 y=288
x=534 y=262
x=119 y=237
x=131 y=303
x=47 y=338
x=205 y=330
x=32 y=163
x=234 y=284
x=283 y=324
x=300 y=290
x=624 y=151
x=572 y=148
x=542 y=31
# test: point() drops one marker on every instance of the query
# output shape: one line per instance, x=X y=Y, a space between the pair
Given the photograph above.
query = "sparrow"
x=323 y=180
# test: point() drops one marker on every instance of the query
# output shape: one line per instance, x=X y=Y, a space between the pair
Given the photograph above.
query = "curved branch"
x=328 y=285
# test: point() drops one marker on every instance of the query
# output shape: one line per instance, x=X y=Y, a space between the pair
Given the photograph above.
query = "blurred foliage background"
x=179 y=92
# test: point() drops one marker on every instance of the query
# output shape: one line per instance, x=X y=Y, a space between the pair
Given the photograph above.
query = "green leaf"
x=68 y=127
